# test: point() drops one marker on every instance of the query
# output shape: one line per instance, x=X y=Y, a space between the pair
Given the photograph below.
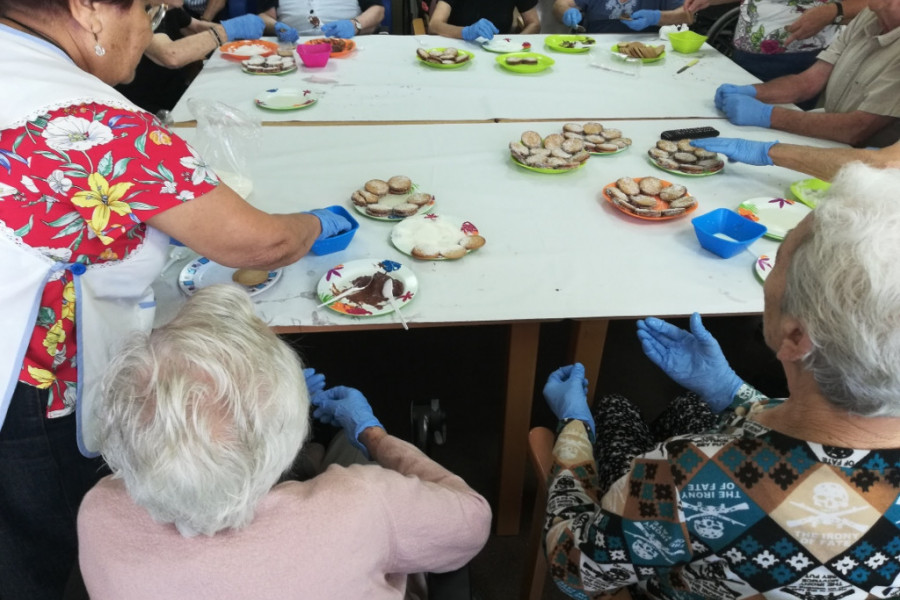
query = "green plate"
x=442 y=65
x=615 y=48
x=808 y=191
x=682 y=173
x=285 y=99
x=544 y=169
x=544 y=62
x=554 y=42
x=610 y=153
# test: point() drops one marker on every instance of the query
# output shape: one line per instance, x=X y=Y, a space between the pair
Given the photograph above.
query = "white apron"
x=112 y=299
x=296 y=13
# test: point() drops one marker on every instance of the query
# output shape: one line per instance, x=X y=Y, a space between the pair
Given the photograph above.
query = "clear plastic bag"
x=226 y=137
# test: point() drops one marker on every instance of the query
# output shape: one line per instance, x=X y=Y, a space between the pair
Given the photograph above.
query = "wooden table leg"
x=587 y=344
x=523 y=348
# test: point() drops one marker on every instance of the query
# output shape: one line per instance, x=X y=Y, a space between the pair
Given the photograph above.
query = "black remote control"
x=689 y=134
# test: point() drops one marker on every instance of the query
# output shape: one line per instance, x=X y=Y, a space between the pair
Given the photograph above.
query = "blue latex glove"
x=744 y=110
x=332 y=224
x=245 y=27
x=642 y=19
x=315 y=382
x=566 y=394
x=347 y=408
x=572 y=17
x=727 y=89
x=286 y=33
x=745 y=151
x=482 y=28
x=692 y=359
x=339 y=29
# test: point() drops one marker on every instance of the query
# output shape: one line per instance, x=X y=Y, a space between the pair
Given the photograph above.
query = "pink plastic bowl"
x=314 y=55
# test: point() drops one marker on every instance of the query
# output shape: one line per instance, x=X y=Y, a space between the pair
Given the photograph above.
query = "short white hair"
x=202 y=416
x=843 y=283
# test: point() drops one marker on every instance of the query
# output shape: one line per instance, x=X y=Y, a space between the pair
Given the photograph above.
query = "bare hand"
x=694 y=6
x=811 y=22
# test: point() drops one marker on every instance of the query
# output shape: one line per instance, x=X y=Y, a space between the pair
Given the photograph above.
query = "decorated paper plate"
x=285 y=99
x=202 y=273
x=389 y=201
x=339 y=46
x=546 y=169
x=570 y=43
x=250 y=71
x=244 y=49
x=436 y=237
x=370 y=276
x=615 y=49
x=809 y=191
x=660 y=204
x=779 y=215
x=544 y=62
x=437 y=65
x=682 y=173
x=763 y=266
x=506 y=45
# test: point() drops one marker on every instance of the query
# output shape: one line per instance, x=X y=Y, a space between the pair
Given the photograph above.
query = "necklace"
x=43 y=36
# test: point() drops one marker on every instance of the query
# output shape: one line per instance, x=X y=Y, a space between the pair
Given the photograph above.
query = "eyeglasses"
x=156 y=14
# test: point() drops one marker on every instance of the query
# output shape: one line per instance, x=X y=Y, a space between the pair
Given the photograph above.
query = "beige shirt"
x=866 y=73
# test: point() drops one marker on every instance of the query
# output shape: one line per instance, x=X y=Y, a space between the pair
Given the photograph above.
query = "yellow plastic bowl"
x=686 y=42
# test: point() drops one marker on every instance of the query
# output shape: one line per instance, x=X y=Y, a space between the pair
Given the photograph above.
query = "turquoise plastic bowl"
x=739 y=231
x=338 y=242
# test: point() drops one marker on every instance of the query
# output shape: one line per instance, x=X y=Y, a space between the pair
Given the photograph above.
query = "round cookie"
x=377 y=187
x=249 y=277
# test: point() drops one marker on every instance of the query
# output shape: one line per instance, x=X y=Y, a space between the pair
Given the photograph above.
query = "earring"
x=98 y=49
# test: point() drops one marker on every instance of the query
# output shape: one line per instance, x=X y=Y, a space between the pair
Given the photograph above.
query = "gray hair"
x=202 y=416
x=843 y=283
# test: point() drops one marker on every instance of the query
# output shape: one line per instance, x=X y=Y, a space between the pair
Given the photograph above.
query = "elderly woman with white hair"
x=201 y=418
x=795 y=497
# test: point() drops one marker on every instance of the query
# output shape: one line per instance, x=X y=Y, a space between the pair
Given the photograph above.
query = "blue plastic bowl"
x=725 y=233
x=338 y=242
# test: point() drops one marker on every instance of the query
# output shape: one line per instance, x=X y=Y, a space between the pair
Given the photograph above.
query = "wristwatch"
x=840 y=13
x=359 y=27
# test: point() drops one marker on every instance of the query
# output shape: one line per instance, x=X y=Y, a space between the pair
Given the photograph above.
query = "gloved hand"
x=727 y=89
x=482 y=28
x=347 y=408
x=692 y=359
x=744 y=110
x=566 y=394
x=572 y=17
x=245 y=27
x=642 y=19
x=339 y=29
x=745 y=151
x=315 y=382
x=332 y=224
x=286 y=33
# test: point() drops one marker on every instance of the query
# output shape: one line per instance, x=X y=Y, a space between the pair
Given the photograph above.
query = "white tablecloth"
x=383 y=81
x=555 y=249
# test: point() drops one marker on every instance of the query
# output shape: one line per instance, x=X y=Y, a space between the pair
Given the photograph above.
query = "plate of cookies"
x=552 y=154
x=444 y=58
x=570 y=43
x=525 y=62
x=391 y=200
x=202 y=272
x=269 y=65
x=647 y=54
x=681 y=158
x=436 y=237
x=356 y=288
x=597 y=139
x=650 y=198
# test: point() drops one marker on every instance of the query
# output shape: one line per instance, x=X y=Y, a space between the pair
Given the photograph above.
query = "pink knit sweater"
x=348 y=533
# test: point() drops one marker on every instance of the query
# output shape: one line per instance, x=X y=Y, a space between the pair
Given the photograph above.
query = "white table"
x=383 y=81
x=555 y=249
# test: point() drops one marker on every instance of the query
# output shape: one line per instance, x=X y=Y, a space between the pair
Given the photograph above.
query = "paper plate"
x=660 y=204
x=203 y=272
x=682 y=173
x=244 y=49
x=246 y=70
x=442 y=65
x=554 y=42
x=615 y=49
x=763 y=265
x=544 y=62
x=546 y=170
x=809 y=191
x=394 y=200
x=285 y=99
x=433 y=233
x=506 y=45
x=341 y=277
x=349 y=46
x=779 y=215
